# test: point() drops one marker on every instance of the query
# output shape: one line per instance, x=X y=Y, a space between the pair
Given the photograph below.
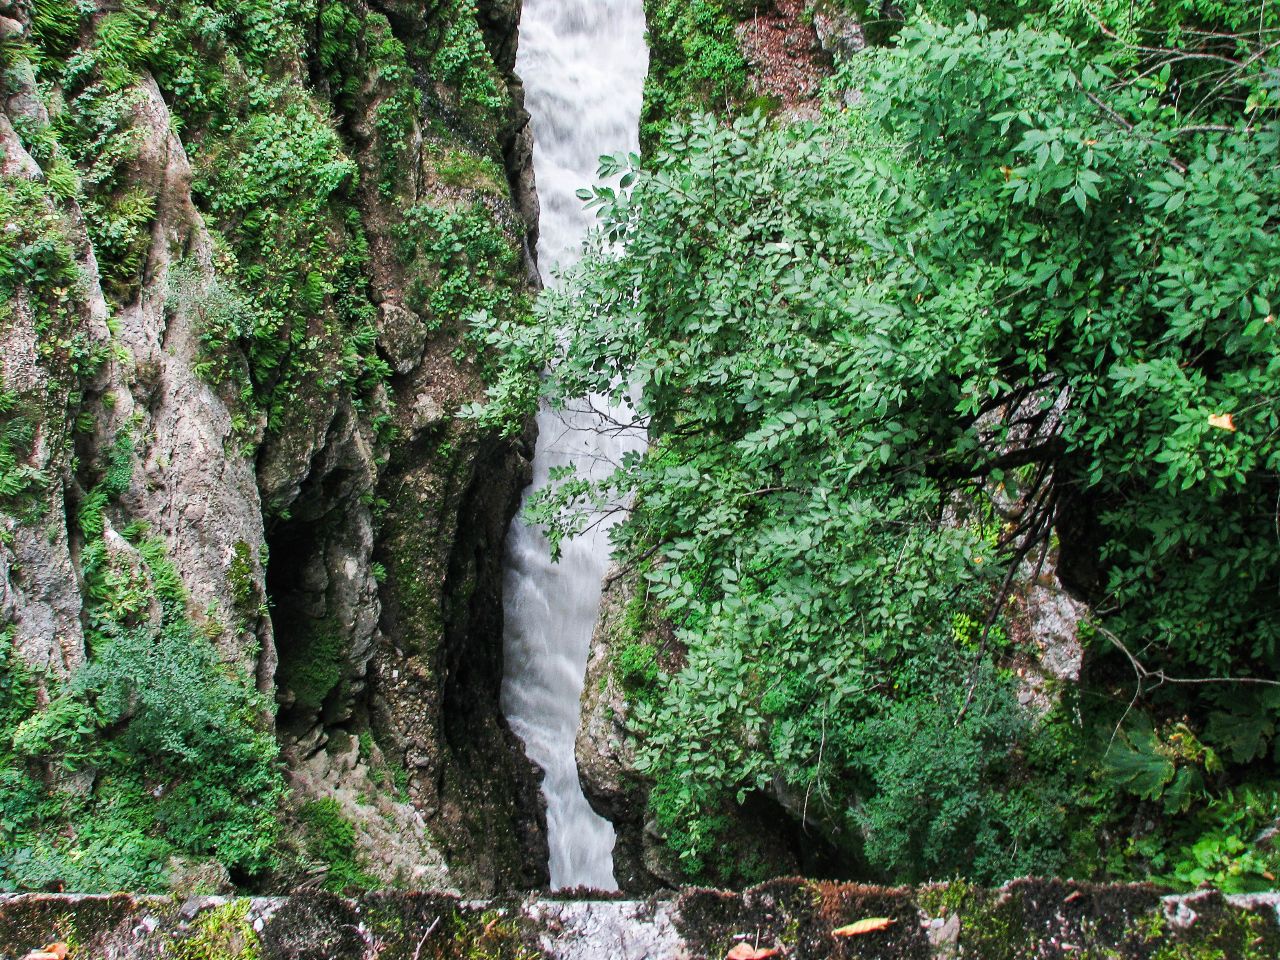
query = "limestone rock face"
x=355 y=578
x=39 y=593
x=192 y=487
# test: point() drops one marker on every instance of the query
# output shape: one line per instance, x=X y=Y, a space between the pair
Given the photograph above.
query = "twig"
x=1041 y=528
x=1144 y=673
x=804 y=814
x=627 y=568
x=1128 y=127
x=1209 y=128
x=418 y=950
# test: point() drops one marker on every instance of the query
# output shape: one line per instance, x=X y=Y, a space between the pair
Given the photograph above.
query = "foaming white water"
x=583 y=63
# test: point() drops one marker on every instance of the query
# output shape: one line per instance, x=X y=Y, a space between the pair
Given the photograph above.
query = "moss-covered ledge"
x=797 y=918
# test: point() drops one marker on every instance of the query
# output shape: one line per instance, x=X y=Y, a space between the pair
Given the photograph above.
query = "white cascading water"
x=583 y=63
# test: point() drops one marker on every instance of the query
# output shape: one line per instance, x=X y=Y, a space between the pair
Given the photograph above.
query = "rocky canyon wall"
x=243 y=246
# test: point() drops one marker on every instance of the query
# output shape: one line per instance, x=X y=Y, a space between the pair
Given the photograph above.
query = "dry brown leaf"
x=869 y=925
x=744 y=951
x=1222 y=421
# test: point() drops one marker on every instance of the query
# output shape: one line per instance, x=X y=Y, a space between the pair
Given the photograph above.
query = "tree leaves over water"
x=996 y=305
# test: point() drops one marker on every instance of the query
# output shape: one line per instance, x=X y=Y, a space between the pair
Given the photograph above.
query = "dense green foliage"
x=1018 y=303
x=331 y=839
x=311 y=667
x=461 y=260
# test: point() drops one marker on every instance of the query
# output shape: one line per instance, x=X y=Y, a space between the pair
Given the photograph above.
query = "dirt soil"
x=784 y=57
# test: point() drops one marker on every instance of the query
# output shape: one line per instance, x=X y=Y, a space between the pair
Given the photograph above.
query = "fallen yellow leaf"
x=1222 y=421
x=870 y=925
x=744 y=951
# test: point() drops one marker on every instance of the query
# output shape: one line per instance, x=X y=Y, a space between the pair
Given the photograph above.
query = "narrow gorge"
x=583 y=64
x=639 y=479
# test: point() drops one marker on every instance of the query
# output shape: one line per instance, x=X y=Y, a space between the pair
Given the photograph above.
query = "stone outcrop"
x=839 y=31
x=605 y=750
x=1043 y=919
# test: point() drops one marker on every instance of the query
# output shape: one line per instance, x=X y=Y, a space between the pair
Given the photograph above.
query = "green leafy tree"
x=1021 y=296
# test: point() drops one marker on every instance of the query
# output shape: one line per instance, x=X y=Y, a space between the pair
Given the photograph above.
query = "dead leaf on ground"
x=1223 y=421
x=744 y=951
x=869 y=925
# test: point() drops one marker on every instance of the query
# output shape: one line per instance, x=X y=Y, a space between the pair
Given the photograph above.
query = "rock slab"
x=797 y=918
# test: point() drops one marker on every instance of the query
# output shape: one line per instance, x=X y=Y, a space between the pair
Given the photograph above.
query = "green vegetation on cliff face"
x=695 y=62
x=171 y=734
x=213 y=176
x=1015 y=304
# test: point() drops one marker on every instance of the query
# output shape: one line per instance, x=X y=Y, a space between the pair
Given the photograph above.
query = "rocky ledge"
x=783 y=918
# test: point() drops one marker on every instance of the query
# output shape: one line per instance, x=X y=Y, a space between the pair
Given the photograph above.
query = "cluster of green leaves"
x=280 y=190
x=20 y=481
x=37 y=262
x=1138 y=28
x=1208 y=793
x=465 y=169
x=222 y=316
x=170 y=740
x=695 y=62
x=92 y=141
x=465 y=266
x=1018 y=273
x=331 y=839
x=1150 y=22
x=219 y=933
x=462 y=63
x=312 y=665
x=948 y=790
x=356 y=47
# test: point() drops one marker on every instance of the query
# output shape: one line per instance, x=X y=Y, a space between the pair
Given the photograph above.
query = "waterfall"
x=583 y=63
